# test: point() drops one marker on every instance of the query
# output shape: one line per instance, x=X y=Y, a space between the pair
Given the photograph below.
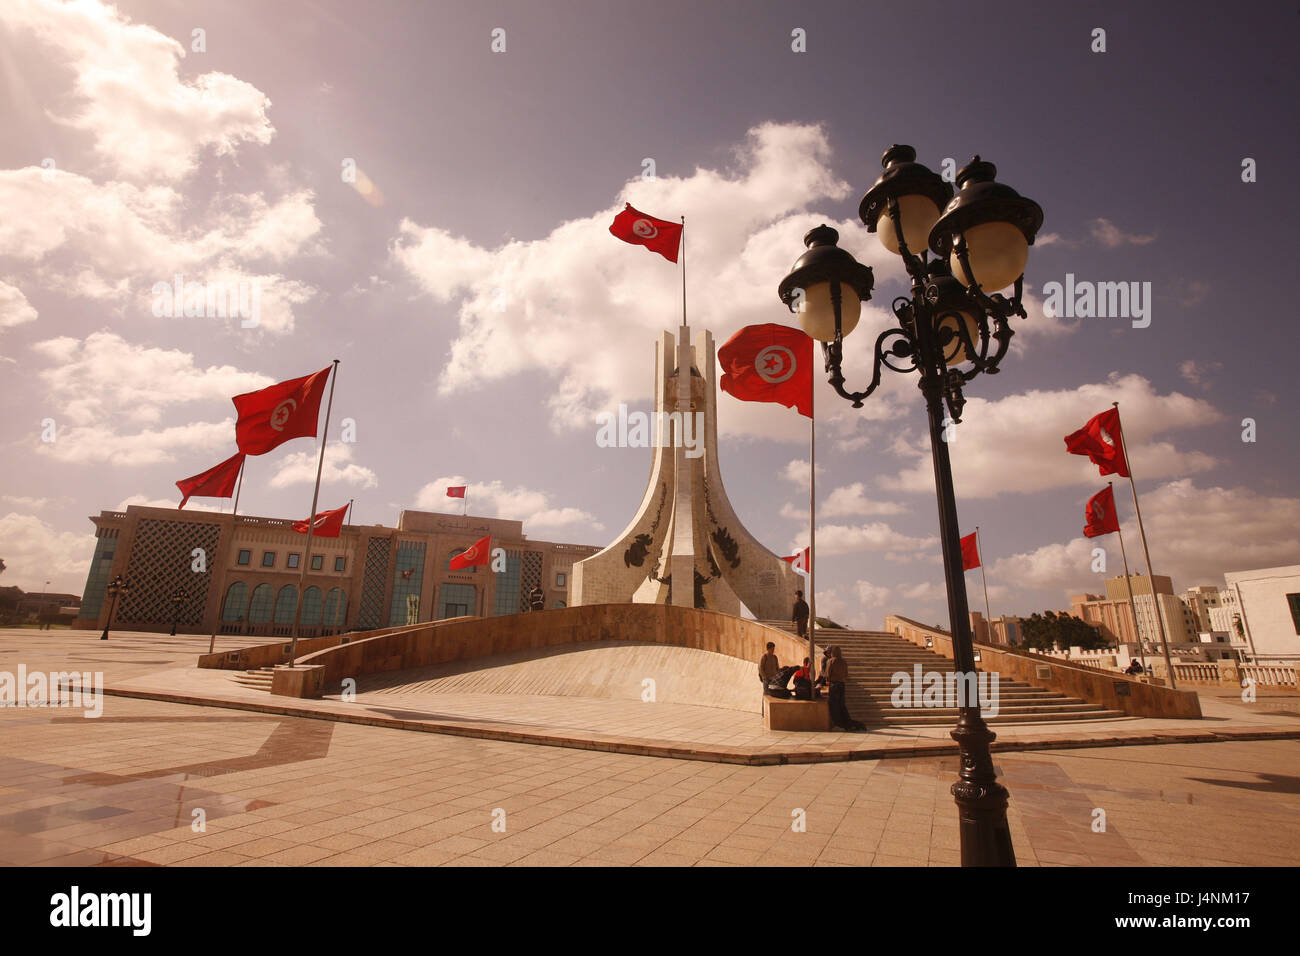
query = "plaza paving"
x=276 y=788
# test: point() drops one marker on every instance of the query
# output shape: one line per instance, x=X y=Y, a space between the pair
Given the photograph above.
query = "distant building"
x=1114 y=615
x=995 y=630
x=240 y=574
x=1203 y=599
x=1266 y=603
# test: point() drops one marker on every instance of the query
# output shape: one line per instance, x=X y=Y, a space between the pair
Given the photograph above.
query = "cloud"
x=25 y=502
x=799 y=471
x=847 y=539
x=1198 y=372
x=105 y=376
x=1195 y=534
x=584 y=308
x=1112 y=237
x=1015 y=444
x=114 y=242
x=34 y=553
x=146 y=123
x=793 y=512
x=495 y=499
x=14 y=307
x=852 y=500
x=299 y=468
x=871 y=595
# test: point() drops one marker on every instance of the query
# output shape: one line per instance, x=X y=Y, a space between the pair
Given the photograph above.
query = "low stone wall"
x=271 y=655
x=1114 y=691
x=439 y=642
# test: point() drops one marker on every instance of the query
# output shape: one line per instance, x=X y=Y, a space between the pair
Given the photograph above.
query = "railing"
x=1208 y=673
x=1277 y=675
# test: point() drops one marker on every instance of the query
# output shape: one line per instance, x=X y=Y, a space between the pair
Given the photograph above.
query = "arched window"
x=286 y=604
x=558 y=604
x=259 y=608
x=336 y=608
x=236 y=603
x=311 y=607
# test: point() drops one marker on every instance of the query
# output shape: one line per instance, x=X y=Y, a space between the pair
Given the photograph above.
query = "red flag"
x=480 y=552
x=457 y=492
x=216 y=482
x=801 y=561
x=1100 y=514
x=642 y=230
x=970 y=553
x=279 y=412
x=769 y=363
x=1102 y=442
x=327 y=524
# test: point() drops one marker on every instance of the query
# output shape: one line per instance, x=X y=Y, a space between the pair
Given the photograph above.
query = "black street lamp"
x=952 y=327
x=115 y=587
x=178 y=598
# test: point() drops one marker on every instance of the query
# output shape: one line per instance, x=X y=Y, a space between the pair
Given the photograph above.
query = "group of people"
x=775 y=679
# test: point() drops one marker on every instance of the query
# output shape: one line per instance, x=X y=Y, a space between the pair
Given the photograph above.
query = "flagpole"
x=988 y=615
x=240 y=486
x=812 y=532
x=221 y=599
x=683 y=271
x=311 y=519
x=1151 y=579
x=1132 y=605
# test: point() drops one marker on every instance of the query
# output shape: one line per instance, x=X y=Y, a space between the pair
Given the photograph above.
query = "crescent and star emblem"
x=282 y=413
x=775 y=364
x=645 y=229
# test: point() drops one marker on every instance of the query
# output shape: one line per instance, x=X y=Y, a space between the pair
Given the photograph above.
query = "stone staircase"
x=258 y=678
x=875 y=656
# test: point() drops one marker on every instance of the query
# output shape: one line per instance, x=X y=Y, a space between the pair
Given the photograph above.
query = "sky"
x=423 y=191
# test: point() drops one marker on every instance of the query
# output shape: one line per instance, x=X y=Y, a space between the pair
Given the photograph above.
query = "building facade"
x=1203 y=599
x=1267 y=605
x=240 y=574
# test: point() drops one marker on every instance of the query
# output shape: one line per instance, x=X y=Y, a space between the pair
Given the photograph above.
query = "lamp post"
x=178 y=598
x=41 y=615
x=952 y=327
x=115 y=587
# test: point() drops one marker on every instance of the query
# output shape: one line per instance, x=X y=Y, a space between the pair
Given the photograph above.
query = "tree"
x=1043 y=632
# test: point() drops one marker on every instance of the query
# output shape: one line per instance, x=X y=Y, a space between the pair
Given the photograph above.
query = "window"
x=260 y=607
x=311 y=607
x=294 y=559
x=236 y=603
x=559 y=579
x=456 y=600
x=244 y=557
x=268 y=559
x=1293 y=601
x=339 y=563
x=317 y=562
x=286 y=604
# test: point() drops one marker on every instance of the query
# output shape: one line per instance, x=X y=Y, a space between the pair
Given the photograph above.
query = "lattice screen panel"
x=162 y=561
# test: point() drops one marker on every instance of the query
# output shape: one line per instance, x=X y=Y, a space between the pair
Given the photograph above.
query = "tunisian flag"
x=970 y=552
x=642 y=230
x=217 y=482
x=269 y=417
x=769 y=363
x=458 y=491
x=801 y=561
x=480 y=552
x=1102 y=442
x=1100 y=514
x=327 y=524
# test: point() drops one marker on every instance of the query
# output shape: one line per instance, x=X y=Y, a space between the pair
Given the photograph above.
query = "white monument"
x=686 y=546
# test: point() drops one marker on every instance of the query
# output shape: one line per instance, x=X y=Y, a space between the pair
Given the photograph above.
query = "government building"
x=239 y=574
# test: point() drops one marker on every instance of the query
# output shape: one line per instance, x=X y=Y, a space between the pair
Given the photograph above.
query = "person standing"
x=799 y=616
x=768 y=667
x=837 y=672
